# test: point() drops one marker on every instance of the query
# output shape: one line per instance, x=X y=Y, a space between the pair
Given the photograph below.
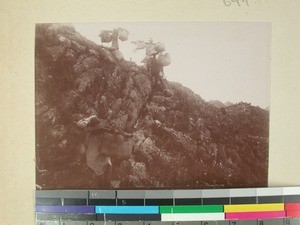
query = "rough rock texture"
x=180 y=141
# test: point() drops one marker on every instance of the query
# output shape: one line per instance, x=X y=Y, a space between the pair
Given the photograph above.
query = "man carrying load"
x=155 y=59
x=114 y=36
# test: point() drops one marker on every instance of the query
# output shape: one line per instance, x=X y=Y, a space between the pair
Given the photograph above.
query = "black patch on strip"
x=78 y=217
x=102 y=202
x=291 y=198
x=48 y=216
x=75 y=201
x=159 y=202
x=215 y=201
x=47 y=201
x=243 y=200
x=129 y=217
x=188 y=201
x=121 y=202
x=100 y=217
x=270 y=199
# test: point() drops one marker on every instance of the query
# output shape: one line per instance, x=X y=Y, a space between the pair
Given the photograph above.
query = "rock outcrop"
x=180 y=140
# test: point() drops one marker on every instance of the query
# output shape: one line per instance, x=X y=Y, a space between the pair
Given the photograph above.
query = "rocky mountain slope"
x=220 y=104
x=180 y=141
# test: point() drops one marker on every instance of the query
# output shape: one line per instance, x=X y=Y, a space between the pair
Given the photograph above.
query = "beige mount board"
x=17 y=79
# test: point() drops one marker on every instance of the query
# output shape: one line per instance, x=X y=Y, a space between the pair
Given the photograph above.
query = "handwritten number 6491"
x=238 y=2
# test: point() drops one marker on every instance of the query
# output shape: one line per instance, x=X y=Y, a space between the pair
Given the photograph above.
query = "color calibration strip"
x=169 y=206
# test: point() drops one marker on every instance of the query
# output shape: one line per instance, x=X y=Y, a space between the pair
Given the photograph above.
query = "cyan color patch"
x=127 y=209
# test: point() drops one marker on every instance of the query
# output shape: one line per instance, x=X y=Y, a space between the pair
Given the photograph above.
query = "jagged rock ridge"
x=180 y=141
x=220 y=104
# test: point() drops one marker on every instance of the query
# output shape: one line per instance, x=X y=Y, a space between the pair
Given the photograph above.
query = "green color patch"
x=192 y=209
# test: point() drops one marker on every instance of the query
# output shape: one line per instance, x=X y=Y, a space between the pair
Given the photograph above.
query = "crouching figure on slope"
x=105 y=149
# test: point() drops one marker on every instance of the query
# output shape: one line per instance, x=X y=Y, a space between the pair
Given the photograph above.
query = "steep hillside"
x=180 y=141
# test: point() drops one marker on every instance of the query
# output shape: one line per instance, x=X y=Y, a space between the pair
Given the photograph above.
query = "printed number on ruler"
x=94 y=195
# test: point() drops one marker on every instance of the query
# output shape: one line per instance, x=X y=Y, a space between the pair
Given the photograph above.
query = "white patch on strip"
x=242 y=192
x=192 y=216
x=269 y=191
x=291 y=190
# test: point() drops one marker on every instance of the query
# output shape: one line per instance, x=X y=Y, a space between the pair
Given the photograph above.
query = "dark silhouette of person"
x=156 y=69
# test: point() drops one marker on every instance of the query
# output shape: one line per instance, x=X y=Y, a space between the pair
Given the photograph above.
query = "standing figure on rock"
x=155 y=59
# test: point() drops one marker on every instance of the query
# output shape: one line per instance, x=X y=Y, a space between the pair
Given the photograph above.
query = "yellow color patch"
x=254 y=207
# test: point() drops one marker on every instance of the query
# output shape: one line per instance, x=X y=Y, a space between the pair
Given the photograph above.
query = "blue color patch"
x=127 y=209
x=64 y=209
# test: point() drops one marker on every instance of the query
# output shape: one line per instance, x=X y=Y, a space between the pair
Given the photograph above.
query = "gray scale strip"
x=135 y=194
x=238 y=195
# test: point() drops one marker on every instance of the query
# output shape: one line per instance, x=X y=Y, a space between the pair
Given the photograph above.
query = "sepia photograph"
x=152 y=105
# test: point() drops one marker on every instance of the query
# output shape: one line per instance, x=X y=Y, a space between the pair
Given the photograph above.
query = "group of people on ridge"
x=155 y=57
x=105 y=146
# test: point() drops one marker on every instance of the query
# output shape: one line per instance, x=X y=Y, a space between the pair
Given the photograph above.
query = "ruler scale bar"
x=174 y=207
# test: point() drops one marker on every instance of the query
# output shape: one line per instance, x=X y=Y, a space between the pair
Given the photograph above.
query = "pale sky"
x=218 y=61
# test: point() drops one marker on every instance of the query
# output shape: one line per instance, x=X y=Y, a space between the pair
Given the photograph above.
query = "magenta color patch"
x=254 y=215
